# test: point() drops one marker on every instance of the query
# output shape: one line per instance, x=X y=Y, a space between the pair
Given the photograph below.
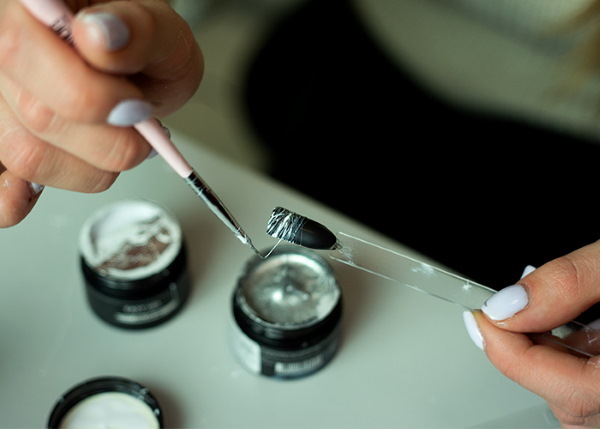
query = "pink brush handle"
x=56 y=15
x=154 y=133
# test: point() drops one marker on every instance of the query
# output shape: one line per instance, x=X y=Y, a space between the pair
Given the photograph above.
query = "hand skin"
x=55 y=100
x=557 y=293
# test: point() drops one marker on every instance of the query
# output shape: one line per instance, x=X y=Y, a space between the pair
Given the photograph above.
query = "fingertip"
x=473 y=330
x=35 y=189
x=115 y=37
x=104 y=29
x=528 y=270
x=506 y=303
x=129 y=112
x=17 y=199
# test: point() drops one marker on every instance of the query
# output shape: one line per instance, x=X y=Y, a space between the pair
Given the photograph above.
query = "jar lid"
x=290 y=289
x=107 y=402
x=130 y=239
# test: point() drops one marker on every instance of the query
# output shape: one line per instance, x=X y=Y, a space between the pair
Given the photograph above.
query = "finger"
x=37 y=60
x=17 y=198
x=146 y=39
x=550 y=296
x=31 y=159
x=115 y=37
x=35 y=161
x=567 y=382
x=107 y=148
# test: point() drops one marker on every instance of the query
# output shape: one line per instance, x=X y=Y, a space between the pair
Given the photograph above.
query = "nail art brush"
x=56 y=15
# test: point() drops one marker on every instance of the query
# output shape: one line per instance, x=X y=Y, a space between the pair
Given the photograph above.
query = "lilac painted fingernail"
x=129 y=112
x=166 y=130
x=594 y=325
x=152 y=154
x=106 y=28
x=528 y=270
x=36 y=188
x=473 y=330
x=506 y=303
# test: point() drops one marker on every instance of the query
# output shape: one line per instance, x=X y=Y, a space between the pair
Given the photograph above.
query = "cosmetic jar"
x=134 y=264
x=107 y=402
x=286 y=314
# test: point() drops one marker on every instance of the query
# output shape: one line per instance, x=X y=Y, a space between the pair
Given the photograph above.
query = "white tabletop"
x=405 y=358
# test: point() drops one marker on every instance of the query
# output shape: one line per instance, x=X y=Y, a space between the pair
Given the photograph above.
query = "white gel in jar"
x=134 y=263
x=130 y=239
x=112 y=410
x=107 y=403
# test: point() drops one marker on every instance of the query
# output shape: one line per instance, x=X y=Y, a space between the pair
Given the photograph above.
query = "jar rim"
x=294 y=288
x=95 y=386
x=130 y=239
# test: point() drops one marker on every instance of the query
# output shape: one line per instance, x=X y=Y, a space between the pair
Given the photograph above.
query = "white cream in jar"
x=110 y=410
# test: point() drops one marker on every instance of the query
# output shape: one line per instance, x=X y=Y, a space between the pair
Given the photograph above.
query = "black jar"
x=106 y=402
x=134 y=263
x=287 y=314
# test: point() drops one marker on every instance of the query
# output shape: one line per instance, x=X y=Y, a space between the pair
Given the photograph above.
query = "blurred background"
x=230 y=33
x=436 y=123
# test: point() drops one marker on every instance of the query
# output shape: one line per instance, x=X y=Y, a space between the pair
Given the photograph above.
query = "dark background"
x=483 y=195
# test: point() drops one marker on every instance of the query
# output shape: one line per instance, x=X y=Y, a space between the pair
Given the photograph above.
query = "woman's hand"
x=546 y=298
x=65 y=112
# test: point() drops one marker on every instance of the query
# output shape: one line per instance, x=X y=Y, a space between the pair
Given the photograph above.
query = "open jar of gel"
x=133 y=259
x=107 y=402
x=286 y=314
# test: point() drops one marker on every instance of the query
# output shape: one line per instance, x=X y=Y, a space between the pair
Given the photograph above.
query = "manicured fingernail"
x=152 y=154
x=129 y=112
x=35 y=188
x=107 y=29
x=506 y=303
x=528 y=270
x=165 y=129
x=473 y=329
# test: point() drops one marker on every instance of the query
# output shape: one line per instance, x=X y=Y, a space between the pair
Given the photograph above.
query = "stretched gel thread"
x=383 y=262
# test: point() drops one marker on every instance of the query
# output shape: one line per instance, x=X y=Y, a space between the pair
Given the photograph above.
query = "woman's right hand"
x=66 y=113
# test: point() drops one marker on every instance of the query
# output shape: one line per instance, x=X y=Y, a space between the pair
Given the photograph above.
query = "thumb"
x=549 y=296
x=146 y=41
x=125 y=36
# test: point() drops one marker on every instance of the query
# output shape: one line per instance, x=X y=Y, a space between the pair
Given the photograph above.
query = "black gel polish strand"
x=297 y=229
